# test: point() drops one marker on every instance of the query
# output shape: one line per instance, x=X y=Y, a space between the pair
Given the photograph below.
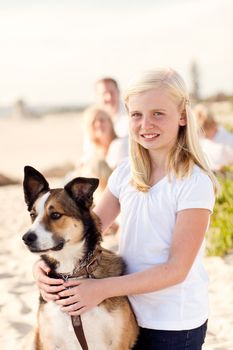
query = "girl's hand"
x=81 y=295
x=48 y=286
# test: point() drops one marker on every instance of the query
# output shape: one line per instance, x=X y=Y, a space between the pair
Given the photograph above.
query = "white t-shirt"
x=223 y=136
x=147 y=222
x=118 y=150
x=218 y=155
x=121 y=122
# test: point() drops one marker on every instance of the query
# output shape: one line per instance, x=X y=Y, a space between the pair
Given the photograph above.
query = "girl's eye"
x=135 y=115
x=158 y=115
x=55 y=216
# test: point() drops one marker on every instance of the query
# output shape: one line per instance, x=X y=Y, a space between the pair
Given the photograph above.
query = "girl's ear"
x=183 y=119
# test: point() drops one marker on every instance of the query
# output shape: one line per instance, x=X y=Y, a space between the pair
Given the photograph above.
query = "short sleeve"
x=196 y=192
x=118 y=177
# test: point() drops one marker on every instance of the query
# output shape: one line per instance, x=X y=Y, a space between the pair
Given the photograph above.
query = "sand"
x=44 y=143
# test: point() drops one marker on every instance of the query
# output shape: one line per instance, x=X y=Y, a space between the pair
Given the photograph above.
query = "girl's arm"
x=107 y=209
x=189 y=231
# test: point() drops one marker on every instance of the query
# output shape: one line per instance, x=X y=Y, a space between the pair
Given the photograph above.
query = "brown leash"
x=78 y=329
x=84 y=269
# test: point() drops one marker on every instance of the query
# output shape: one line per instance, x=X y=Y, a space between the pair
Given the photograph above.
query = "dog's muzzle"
x=30 y=238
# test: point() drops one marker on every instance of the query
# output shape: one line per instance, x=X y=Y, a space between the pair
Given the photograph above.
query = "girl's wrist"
x=113 y=287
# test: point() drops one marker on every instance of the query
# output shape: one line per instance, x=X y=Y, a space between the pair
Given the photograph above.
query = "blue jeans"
x=152 y=339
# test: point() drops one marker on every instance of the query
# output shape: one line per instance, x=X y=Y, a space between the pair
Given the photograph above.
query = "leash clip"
x=65 y=277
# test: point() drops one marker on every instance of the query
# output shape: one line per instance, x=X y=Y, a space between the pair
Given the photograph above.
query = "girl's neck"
x=157 y=175
x=158 y=160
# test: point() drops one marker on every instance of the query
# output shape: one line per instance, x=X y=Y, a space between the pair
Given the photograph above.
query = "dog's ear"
x=81 y=190
x=34 y=183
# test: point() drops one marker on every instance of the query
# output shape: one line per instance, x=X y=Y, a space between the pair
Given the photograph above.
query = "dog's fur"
x=64 y=230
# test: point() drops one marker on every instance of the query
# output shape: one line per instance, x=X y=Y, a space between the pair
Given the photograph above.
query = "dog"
x=66 y=233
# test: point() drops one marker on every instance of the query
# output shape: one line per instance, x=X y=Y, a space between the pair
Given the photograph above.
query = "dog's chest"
x=56 y=328
x=102 y=329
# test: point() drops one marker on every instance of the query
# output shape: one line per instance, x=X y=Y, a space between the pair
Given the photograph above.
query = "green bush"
x=220 y=234
x=229 y=127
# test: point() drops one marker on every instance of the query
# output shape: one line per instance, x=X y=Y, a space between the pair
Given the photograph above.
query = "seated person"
x=103 y=151
x=209 y=125
x=218 y=150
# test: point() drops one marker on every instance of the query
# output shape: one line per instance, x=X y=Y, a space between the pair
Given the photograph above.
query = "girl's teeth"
x=150 y=136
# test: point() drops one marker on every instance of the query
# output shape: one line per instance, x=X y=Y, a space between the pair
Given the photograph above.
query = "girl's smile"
x=150 y=136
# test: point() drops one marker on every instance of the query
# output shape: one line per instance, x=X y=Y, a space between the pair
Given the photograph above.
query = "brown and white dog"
x=67 y=235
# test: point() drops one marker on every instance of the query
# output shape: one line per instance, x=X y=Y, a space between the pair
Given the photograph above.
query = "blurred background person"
x=108 y=98
x=210 y=126
x=103 y=150
x=99 y=131
x=215 y=140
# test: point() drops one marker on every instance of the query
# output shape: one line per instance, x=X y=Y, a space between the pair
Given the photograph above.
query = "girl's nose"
x=146 y=123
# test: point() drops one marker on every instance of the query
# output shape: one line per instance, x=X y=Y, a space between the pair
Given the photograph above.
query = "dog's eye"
x=33 y=216
x=55 y=216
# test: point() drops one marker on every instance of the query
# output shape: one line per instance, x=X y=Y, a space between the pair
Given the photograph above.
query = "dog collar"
x=85 y=267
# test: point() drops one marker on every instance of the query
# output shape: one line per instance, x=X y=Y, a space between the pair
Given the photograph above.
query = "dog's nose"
x=29 y=238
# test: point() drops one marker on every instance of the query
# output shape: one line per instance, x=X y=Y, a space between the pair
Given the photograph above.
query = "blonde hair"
x=89 y=116
x=187 y=151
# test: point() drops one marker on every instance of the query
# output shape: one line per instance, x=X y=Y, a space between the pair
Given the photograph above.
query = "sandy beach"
x=44 y=143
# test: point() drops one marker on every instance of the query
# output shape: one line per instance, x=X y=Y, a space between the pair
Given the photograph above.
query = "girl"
x=216 y=141
x=165 y=193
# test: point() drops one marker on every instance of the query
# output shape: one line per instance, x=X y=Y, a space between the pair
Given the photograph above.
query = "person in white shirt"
x=165 y=193
x=212 y=130
x=217 y=154
x=100 y=139
x=98 y=135
x=215 y=140
x=223 y=136
x=103 y=150
x=118 y=151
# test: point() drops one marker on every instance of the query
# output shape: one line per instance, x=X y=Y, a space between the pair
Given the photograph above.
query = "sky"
x=52 y=51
